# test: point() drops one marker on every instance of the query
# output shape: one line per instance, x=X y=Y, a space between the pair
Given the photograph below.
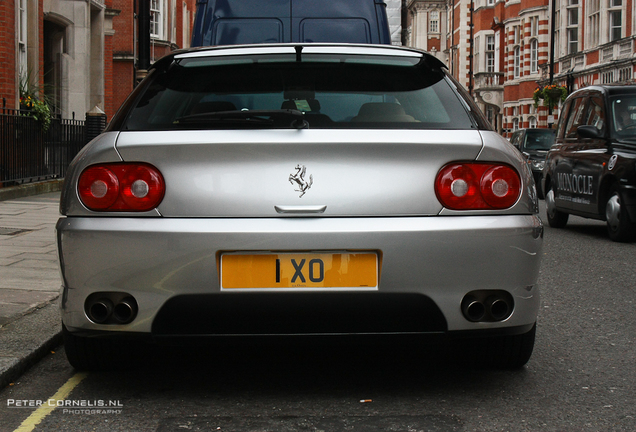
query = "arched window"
x=515 y=124
x=534 y=56
x=532 y=122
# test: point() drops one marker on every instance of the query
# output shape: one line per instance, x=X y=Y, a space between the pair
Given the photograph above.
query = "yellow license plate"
x=339 y=270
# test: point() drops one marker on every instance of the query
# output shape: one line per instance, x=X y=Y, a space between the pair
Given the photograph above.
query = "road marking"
x=47 y=408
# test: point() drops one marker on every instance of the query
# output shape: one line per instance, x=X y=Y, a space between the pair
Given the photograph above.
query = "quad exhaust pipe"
x=100 y=310
x=111 y=308
x=487 y=306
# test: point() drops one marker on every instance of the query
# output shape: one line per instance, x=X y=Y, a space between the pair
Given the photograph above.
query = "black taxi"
x=590 y=170
x=534 y=143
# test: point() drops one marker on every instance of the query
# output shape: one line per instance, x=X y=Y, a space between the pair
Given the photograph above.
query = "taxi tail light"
x=477 y=186
x=130 y=187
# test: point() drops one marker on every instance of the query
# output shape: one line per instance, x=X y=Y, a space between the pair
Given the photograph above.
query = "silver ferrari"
x=302 y=189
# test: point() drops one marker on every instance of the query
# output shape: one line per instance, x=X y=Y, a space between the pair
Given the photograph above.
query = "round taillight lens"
x=133 y=187
x=500 y=186
x=457 y=186
x=477 y=186
x=98 y=188
x=142 y=188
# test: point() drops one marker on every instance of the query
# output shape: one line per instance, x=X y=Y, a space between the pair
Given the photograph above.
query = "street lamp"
x=552 y=19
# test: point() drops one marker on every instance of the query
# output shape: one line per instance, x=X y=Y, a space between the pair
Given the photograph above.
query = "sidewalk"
x=29 y=283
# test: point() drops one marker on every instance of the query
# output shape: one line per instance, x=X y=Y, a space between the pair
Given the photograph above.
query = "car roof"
x=608 y=90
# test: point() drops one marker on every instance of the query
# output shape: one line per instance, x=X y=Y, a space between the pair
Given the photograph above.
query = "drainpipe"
x=143 y=62
x=471 y=49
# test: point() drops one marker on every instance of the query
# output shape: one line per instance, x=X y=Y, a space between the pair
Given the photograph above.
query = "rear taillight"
x=132 y=187
x=477 y=186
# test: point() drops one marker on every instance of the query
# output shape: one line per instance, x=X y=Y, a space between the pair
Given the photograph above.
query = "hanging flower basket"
x=551 y=95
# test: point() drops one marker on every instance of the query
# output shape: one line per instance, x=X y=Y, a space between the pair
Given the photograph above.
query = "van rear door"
x=230 y=22
x=353 y=21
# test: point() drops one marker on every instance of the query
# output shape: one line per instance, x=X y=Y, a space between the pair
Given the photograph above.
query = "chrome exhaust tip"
x=125 y=311
x=100 y=310
x=473 y=309
x=498 y=308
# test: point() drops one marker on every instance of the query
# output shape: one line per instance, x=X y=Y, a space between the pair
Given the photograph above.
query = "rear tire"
x=98 y=354
x=556 y=218
x=619 y=227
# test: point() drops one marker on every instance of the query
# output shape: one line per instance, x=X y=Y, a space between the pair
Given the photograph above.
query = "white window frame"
x=156 y=19
x=534 y=56
x=478 y=67
x=490 y=53
x=22 y=33
x=433 y=21
x=517 y=61
x=534 y=26
x=573 y=29
x=594 y=22
x=615 y=21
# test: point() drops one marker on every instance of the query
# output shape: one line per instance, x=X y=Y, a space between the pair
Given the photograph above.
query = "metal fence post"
x=95 y=123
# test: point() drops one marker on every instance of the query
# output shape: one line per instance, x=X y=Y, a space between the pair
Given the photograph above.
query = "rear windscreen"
x=330 y=94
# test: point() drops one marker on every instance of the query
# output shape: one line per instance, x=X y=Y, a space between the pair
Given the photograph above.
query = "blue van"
x=232 y=22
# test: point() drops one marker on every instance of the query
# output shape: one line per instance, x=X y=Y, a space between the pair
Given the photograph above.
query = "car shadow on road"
x=359 y=365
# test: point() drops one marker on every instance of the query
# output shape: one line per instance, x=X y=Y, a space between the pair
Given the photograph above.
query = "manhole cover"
x=12 y=231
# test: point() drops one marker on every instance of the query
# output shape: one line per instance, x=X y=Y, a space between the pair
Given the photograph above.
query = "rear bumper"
x=427 y=265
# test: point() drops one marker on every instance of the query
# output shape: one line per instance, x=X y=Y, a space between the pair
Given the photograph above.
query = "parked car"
x=534 y=143
x=234 y=22
x=298 y=190
x=590 y=170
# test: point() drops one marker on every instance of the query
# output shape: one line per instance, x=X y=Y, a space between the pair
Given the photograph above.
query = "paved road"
x=582 y=376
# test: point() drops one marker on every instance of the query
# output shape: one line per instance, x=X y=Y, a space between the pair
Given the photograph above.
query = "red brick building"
x=170 y=28
x=500 y=49
x=82 y=54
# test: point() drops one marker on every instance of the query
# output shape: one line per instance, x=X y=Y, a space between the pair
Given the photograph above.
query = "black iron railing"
x=29 y=154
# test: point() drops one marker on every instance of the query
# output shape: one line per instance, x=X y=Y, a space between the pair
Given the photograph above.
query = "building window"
x=534 y=56
x=615 y=19
x=534 y=26
x=490 y=2
x=22 y=38
x=490 y=114
x=515 y=124
x=517 y=62
x=434 y=22
x=477 y=65
x=156 y=24
x=573 y=29
x=607 y=77
x=516 y=31
x=532 y=122
x=593 y=19
x=625 y=74
x=490 y=53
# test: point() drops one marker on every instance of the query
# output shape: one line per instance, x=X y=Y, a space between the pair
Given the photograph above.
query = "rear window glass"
x=539 y=139
x=329 y=92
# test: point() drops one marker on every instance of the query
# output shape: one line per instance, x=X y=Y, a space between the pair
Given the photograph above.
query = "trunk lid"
x=291 y=173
